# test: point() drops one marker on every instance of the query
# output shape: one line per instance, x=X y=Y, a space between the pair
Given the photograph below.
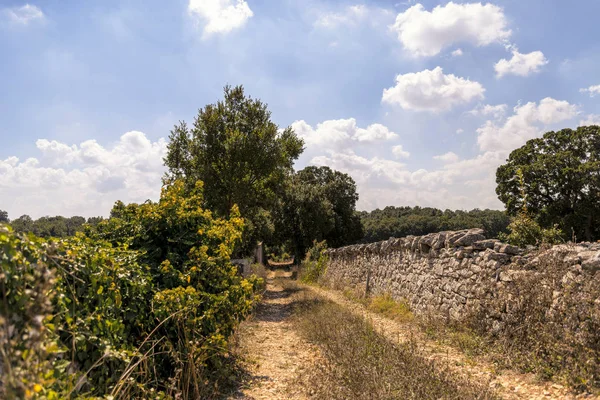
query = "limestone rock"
x=484 y=244
x=439 y=241
x=591 y=262
x=491 y=256
x=472 y=236
x=453 y=237
x=507 y=249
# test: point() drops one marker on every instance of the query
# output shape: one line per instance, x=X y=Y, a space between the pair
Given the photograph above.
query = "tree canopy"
x=57 y=226
x=242 y=157
x=403 y=221
x=4 y=216
x=319 y=204
x=560 y=181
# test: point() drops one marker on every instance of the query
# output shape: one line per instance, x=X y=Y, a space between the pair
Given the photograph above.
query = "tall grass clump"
x=360 y=363
x=140 y=307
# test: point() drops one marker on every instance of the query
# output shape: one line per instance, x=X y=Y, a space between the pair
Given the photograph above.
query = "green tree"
x=74 y=225
x=241 y=156
x=319 y=204
x=23 y=224
x=403 y=221
x=47 y=227
x=4 y=217
x=561 y=181
x=94 y=220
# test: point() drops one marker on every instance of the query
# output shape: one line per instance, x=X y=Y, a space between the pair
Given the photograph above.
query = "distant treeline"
x=49 y=226
x=377 y=224
x=403 y=221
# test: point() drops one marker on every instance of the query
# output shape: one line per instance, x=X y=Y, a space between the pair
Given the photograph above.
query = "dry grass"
x=390 y=308
x=383 y=304
x=537 y=331
x=457 y=335
x=523 y=327
x=360 y=363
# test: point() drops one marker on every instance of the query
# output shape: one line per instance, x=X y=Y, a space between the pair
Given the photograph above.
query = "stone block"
x=491 y=255
x=470 y=237
x=484 y=244
x=591 y=261
x=508 y=249
x=439 y=241
x=453 y=237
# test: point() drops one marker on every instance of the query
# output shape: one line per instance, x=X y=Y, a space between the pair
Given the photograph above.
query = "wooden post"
x=368 y=281
x=259 y=254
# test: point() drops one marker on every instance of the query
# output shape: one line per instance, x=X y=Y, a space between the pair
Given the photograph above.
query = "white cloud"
x=458 y=184
x=521 y=64
x=351 y=15
x=84 y=179
x=592 y=90
x=457 y=53
x=364 y=169
x=426 y=33
x=448 y=157
x=56 y=152
x=451 y=182
x=592 y=119
x=340 y=133
x=488 y=110
x=551 y=111
x=399 y=152
x=524 y=124
x=431 y=90
x=460 y=130
x=24 y=15
x=219 y=16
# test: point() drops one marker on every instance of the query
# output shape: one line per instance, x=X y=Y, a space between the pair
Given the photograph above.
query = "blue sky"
x=410 y=98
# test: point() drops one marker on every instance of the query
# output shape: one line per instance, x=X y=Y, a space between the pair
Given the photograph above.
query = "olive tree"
x=556 y=178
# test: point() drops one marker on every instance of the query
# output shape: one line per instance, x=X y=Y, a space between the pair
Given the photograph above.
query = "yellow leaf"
x=37 y=388
x=100 y=289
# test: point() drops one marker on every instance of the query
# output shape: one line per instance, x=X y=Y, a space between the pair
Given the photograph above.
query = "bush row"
x=141 y=306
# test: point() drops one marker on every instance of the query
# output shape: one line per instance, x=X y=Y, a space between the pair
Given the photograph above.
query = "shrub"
x=258 y=271
x=523 y=231
x=279 y=254
x=142 y=307
x=28 y=350
x=315 y=263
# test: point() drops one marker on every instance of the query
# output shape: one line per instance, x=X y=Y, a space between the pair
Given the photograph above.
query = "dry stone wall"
x=447 y=273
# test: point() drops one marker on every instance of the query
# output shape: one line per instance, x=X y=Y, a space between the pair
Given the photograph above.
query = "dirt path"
x=275 y=354
x=508 y=384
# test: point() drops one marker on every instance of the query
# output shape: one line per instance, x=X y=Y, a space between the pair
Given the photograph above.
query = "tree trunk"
x=588 y=228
